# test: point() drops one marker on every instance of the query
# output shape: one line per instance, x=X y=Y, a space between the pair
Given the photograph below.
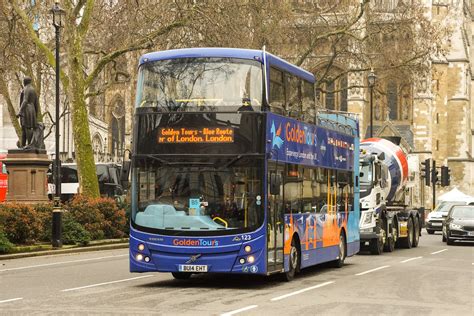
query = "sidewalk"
x=98 y=245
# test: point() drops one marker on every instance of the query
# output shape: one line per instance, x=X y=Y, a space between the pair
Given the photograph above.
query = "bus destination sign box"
x=183 y=135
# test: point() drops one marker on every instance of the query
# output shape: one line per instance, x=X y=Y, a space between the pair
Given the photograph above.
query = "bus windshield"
x=200 y=83
x=197 y=198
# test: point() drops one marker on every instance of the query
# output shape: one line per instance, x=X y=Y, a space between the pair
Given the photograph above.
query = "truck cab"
x=373 y=177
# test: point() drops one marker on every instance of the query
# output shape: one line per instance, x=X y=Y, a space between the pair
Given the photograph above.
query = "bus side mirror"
x=275 y=183
x=124 y=175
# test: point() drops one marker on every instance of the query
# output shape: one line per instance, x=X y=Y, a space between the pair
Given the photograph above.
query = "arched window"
x=118 y=127
x=97 y=148
x=392 y=100
x=332 y=94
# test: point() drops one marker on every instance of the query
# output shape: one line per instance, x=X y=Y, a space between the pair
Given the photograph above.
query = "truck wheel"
x=181 y=275
x=342 y=252
x=416 y=232
x=390 y=240
x=406 y=242
x=389 y=245
x=429 y=231
x=294 y=262
x=376 y=246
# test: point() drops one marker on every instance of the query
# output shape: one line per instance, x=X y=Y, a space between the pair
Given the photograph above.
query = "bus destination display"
x=174 y=135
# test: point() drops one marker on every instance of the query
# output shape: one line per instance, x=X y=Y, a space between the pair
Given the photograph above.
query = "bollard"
x=57 y=228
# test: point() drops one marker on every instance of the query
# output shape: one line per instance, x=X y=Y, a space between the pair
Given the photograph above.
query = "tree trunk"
x=82 y=142
x=89 y=185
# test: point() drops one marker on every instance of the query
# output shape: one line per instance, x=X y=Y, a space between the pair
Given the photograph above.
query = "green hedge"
x=84 y=219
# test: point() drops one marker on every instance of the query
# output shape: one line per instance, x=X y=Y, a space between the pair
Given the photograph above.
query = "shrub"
x=5 y=244
x=21 y=223
x=127 y=207
x=73 y=232
x=88 y=215
x=115 y=220
x=45 y=214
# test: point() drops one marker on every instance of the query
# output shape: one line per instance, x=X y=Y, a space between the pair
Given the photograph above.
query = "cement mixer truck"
x=390 y=217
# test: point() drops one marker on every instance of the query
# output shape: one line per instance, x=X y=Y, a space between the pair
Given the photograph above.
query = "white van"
x=108 y=175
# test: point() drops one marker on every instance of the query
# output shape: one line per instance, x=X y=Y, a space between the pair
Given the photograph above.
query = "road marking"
x=411 y=259
x=436 y=252
x=11 y=300
x=63 y=262
x=105 y=283
x=239 y=310
x=369 y=271
x=301 y=291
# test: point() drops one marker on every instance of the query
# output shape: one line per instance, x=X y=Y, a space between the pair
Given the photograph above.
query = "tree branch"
x=142 y=43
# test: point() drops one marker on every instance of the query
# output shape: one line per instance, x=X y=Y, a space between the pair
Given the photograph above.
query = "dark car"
x=459 y=224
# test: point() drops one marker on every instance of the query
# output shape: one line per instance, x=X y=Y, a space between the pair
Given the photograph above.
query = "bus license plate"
x=192 y=268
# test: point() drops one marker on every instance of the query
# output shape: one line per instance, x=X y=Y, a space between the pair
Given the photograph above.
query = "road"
x=433 y=279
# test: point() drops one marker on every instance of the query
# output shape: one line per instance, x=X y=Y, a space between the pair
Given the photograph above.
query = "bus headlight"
x=141 y=247
x=250 y=259
x=242 y=260
x=139 y=257
x=147 y=259
x=248 y=248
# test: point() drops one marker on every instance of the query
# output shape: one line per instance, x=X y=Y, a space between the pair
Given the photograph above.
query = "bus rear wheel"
x=342 y=252
x=181 y=275
x=294 y=263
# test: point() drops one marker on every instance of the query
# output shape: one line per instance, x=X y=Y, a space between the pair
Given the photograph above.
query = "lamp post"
x=57 y=14
x=371 y=80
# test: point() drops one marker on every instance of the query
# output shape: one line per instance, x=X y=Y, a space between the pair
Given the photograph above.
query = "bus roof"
x=229 y=53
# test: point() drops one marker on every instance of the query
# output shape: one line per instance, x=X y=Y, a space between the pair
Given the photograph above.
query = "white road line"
x=239 y=310
x=105 y=283
x=436 y=252
x=301 y=291
x=411 y=259
x=11 y=300
x=63 y=262
x=376 y=269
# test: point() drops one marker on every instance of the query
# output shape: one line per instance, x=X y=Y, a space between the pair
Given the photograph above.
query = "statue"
x=28 y=112
x=32 y=133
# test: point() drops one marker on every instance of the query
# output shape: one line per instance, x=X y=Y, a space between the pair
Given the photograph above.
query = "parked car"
x=434 y=221
x=459 y=224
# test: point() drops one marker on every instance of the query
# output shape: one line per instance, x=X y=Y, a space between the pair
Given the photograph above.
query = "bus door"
x=275 y=219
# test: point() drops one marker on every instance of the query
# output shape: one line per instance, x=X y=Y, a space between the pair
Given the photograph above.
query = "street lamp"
x=57 y=14
x=371 y=80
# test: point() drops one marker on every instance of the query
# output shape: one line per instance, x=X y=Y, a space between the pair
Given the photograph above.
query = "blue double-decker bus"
x=234 y=170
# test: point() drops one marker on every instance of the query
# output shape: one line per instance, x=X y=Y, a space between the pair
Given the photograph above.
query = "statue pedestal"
x=27 y=175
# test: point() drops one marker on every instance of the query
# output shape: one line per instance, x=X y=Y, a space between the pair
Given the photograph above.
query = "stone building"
x=435 y=116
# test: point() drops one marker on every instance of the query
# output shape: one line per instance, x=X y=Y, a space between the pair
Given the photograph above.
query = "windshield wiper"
x=155 y=158
x=227 y=165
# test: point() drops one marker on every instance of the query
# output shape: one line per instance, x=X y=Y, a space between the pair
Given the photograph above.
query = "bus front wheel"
x=294 y=263
x=181 y=275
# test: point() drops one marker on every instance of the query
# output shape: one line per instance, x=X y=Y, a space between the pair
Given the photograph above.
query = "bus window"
x=308 y=102
x=293 y=189
x=277 y=91
x=294 y=96
x=307 y=198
